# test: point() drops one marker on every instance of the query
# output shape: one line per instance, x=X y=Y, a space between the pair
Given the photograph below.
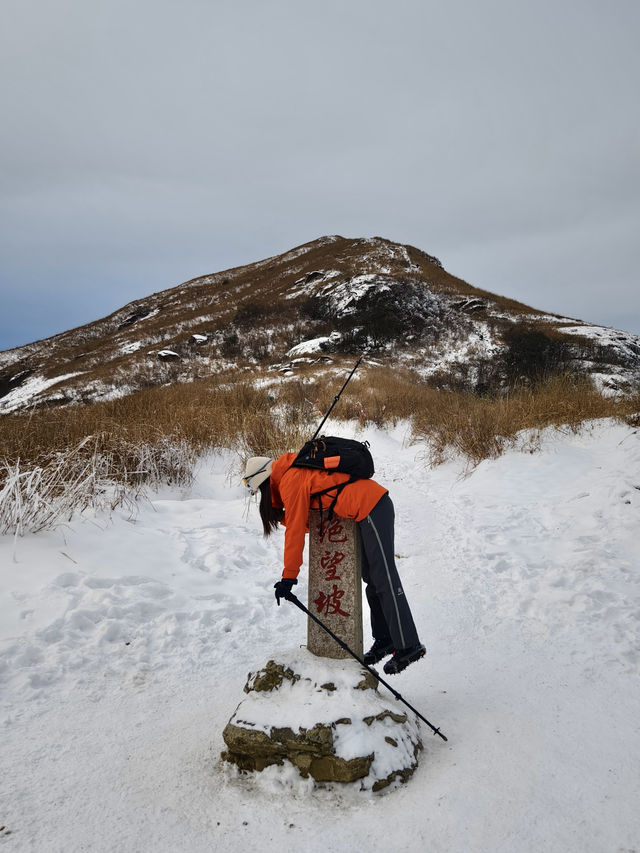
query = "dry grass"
x=483 y=427
x=384 y=396
x=42 y=496
x=202 y=415
x=58 y=461
x=199 y=413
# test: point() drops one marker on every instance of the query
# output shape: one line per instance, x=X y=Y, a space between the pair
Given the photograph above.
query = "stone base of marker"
x=327 y=719
x=335 y=585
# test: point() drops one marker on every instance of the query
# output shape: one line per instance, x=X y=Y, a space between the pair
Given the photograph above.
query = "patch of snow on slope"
x=139 y=316
x=398 y=254
x=345 y=296
x=303 y=250
x=23 y=396
x=101 y=392
x=315 y=345
x=9 y=357
x=304 y=287
x=624 y=341
x=478 y=346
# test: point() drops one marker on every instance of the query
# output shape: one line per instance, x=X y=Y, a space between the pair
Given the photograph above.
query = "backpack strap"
x=337 y=488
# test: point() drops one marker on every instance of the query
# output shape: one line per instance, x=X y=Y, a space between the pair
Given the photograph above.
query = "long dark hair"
x=270 y=516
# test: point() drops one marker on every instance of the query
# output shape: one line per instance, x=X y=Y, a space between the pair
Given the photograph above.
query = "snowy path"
x=125 y=647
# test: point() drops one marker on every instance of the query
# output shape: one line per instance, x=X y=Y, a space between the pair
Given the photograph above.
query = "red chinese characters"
x=332 y=532
x=330 y=604
x=329 y=563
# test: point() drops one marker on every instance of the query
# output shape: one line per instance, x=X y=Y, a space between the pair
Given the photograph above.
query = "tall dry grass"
x=282 y=415
x=53 y=460
x=203 y=415
x=483 y=427
x=41 y=496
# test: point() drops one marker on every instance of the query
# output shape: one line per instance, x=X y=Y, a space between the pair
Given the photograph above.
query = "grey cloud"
x=147 y=143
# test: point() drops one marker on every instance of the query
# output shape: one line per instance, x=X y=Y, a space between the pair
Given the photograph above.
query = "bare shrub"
x=532 y=357
x=43 y=496
x=97 y=474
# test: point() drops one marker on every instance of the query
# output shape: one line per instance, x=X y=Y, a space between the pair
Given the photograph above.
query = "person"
x=285 y=497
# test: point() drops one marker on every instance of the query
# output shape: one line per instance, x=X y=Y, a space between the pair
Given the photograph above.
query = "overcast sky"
x=147 y=142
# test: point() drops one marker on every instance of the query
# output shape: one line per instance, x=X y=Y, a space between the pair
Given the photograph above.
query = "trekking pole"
x=293 y=598
x=338 y=395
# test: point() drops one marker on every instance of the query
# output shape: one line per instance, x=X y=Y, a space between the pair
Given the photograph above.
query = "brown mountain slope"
x=343 y=295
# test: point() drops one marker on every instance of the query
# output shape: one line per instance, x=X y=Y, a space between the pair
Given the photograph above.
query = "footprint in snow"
x=99 y=583
x=66 y=580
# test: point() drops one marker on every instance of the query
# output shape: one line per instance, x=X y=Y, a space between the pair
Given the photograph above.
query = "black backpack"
x=330 y=453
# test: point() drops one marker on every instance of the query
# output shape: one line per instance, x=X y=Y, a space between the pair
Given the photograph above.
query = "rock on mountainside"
x=318 y=302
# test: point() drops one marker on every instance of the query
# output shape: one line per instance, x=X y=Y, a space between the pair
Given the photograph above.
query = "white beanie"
x=256 y=471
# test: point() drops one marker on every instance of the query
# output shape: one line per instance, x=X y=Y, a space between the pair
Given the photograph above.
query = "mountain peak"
x=332 y=296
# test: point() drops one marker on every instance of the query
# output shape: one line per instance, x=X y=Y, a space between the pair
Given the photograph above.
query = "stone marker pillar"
x=335 y=585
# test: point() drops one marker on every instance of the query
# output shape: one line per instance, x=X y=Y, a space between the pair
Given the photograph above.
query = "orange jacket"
x=291 y=489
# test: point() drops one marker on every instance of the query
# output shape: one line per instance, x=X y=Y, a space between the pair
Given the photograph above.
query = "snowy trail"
x=125 y=647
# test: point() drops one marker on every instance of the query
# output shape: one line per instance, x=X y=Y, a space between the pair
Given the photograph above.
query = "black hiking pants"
x=391 y=617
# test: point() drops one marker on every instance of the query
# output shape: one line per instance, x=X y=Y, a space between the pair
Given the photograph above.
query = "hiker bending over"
x=285 y=497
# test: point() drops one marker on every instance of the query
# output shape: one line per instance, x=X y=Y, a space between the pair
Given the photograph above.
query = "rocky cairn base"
x=326 y=718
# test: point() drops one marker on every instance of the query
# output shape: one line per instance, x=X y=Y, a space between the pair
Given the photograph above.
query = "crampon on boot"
x=402 y=658
x=380 y=649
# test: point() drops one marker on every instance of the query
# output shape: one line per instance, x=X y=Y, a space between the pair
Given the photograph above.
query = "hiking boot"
x=380 y=649
x=402 y=658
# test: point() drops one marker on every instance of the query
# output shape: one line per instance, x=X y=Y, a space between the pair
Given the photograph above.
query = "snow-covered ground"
x=125 y=646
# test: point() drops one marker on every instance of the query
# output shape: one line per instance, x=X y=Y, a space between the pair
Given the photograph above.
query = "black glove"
x=283 y=588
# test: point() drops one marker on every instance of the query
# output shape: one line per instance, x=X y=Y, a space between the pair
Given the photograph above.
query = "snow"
x=625 y=342
x=480 y=344
x=152 y=313
x=398 y=254
x=24 y=394
x=260 y=711
x=344 y=295
x=302 y=287
x=348 y=294
x=303 y=250
x=315 y=345
x=125 y=646
x=319 y=706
